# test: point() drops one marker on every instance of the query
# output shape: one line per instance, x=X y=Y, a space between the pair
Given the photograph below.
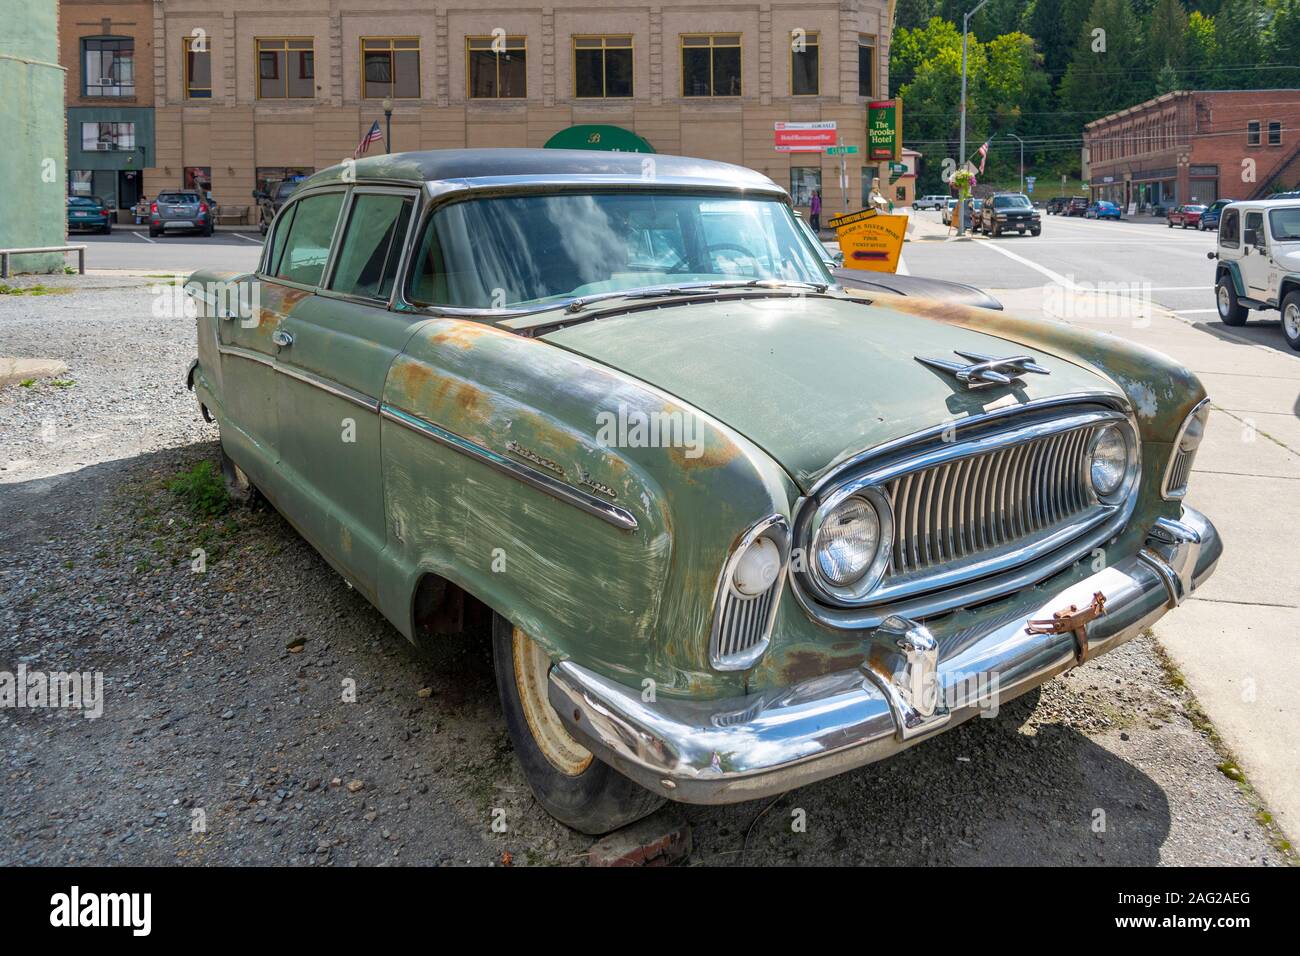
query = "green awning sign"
x=615 y=139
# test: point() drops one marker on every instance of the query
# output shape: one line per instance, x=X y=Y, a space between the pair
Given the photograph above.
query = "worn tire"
x=1290 y=312
x=154 y=234
x=585 y=794
x=1231 y=312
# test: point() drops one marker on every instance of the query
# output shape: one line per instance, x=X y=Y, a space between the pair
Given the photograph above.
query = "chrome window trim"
x=345 y=217
x=764 y=527
x=298 y=197
x=620 y=518
x=1176 y=495
x=995 y=574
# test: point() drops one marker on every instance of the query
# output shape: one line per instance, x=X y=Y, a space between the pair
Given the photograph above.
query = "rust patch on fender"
x=805 y=665
x=463 y=334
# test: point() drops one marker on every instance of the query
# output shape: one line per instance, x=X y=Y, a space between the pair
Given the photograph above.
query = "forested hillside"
x=1042 y=69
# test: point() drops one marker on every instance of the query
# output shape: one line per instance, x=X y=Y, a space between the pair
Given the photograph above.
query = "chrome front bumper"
x=726 y=751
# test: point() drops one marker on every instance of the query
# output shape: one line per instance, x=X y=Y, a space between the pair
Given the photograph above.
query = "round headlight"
x=1109 y=460
x=847 y=541
x=758 y=567
x=1192 y=435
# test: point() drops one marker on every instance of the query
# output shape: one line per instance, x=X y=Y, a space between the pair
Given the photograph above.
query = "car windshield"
x=81 y=201
x=1010 y=202
x=1285 y=224
x=532 y=250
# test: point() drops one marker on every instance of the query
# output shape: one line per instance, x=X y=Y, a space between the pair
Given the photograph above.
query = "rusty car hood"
x=814 y=380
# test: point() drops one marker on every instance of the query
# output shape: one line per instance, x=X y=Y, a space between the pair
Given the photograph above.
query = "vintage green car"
x=736 y=529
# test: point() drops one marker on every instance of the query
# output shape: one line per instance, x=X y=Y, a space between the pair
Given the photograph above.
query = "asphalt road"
x=136 y=252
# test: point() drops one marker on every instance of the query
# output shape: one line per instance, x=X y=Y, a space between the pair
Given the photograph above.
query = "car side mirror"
x=1211 y=255
x=1252 y=237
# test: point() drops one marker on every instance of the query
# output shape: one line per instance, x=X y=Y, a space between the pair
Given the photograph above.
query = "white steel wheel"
x=532 y=666
x=1291 y=320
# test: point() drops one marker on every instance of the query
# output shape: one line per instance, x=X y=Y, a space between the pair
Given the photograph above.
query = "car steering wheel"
x=753 y=260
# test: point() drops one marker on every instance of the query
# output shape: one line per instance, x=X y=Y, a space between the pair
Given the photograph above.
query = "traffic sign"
x=841 y=150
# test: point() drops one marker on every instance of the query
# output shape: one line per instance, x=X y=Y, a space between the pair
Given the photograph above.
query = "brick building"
x=1195 y=147
x=243 y=92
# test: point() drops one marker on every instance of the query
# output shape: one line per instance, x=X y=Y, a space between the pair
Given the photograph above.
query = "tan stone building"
x=246 y=92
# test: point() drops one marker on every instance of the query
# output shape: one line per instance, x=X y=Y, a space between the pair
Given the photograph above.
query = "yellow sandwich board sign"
x=870 y=240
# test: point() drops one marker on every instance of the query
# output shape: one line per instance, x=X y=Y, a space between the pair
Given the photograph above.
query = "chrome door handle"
x=281 y=338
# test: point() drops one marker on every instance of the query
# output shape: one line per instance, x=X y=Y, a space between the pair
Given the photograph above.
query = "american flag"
x=373 y=136
x=983 y=151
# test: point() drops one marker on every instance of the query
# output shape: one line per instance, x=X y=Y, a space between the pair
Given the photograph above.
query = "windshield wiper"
x=694 y=288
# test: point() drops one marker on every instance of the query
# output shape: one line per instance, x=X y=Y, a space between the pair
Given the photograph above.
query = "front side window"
x=107 y=137
x=286 y=69
x=1255 y=228
x=497 y=67
x=602 y=67
x=1252 y=133
x=108 y=66
x=1285 y=224
x=527 y=251
x=866 y=65
x=804 y=63
x=372 y=245
x=301 y=256
x=711 y=65
x=390 y=66
x=198 y=69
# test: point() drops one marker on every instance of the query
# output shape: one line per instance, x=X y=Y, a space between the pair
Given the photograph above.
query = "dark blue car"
x=1210 y=218
x=89 y=212
x=1103 y=209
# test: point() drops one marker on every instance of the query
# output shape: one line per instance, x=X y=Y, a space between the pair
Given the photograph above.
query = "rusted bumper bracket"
x=726 y=751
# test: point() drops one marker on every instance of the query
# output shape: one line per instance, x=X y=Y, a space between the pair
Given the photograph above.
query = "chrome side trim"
x=1178 y=472
x=247 y=354
x=620 y=518
x=324 y=384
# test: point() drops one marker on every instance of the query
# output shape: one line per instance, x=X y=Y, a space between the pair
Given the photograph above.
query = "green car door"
x=336 y=348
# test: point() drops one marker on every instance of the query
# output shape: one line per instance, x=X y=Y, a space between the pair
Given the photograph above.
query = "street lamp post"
x=388 y=124
x=961 y=159
x=1022 y=159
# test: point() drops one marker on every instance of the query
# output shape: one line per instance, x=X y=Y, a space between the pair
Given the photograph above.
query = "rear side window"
x=306 y=246
x=372 y=245
x=1230 y=229
x=178 y=198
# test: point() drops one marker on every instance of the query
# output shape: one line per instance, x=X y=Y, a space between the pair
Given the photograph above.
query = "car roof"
x=1266 y=203
x=470 y=167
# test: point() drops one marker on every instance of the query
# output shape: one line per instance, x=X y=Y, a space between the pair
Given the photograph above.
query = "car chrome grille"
x=1180 y=472
x=985 y=503
x=743 y=624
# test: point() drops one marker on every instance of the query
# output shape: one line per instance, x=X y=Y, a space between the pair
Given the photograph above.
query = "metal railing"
x=80 y=250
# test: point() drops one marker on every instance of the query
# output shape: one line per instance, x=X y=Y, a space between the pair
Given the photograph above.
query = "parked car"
x=862 y=280
x=180 y=210
x=1258 y=253
x=930 y=202
x=89 y=213
x=685 y=492
x=1009 y=212
x=1210 y=218
x=1076 y=206
x=1055 y=204
x=1185 y=215
x=1103 y=209
x=948 y=211
x=270 y=201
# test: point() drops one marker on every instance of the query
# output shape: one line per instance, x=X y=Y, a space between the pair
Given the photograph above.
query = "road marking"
x=254 y=241
x=141 y=235
x=1056 y=277
x=1195 y=311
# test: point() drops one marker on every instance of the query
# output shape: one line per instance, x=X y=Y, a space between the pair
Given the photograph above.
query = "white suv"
x=1259 y=263
x=929 y=202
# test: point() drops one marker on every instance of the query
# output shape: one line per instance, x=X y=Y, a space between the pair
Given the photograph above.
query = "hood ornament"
x=986 y=369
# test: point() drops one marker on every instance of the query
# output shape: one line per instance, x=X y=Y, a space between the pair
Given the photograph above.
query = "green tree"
x=913 y=14
x=1238 y=34
x=1282 y=44
x=1106 y=72
x=1202 y=52
x=1167 y=36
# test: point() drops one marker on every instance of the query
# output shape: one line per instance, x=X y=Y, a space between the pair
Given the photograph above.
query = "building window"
x=286 y=69
x=866 y=65
x=602 y=67
x=108 y=66
x=79 y=182
x=390 y=67
x=711 y=65
x=804 y=181
x=1252 y=133
x=1274 y=133
x=497 y=67
x=107 y=137
x=198 y=69
x=804 y=62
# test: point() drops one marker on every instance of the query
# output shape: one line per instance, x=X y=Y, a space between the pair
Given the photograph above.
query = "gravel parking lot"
x=226 y=691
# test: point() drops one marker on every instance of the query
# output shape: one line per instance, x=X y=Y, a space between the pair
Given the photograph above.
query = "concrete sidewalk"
x=1237 y=640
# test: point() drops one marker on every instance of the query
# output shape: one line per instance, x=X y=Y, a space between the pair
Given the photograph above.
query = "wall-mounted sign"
x=885 y=129
x=612 y=139
x=804 y=137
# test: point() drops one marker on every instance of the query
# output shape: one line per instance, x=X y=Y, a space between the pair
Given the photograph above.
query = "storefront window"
x=804 y=181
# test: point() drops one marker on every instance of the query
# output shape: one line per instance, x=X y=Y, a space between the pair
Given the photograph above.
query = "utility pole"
x=961 y=159
x=1022 y=159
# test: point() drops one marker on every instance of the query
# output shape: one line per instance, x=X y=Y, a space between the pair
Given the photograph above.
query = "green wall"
x=33 y=167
